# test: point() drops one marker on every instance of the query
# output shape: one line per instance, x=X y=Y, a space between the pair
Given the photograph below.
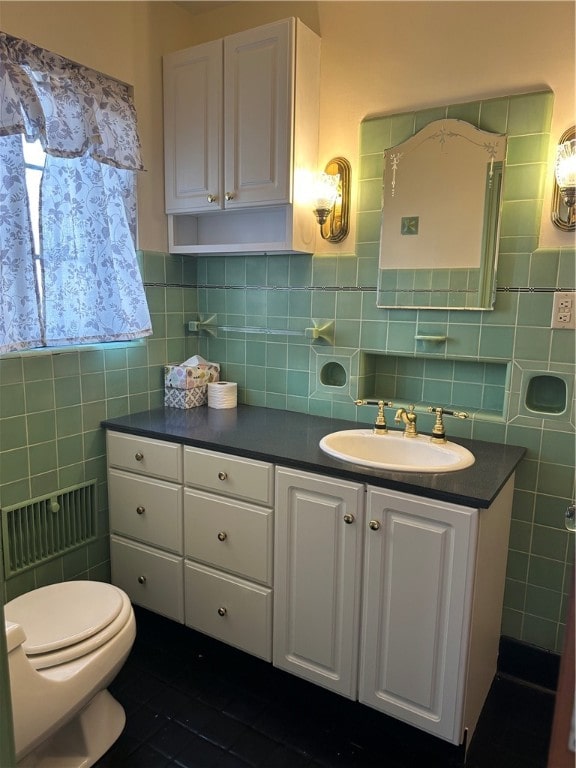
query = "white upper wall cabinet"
x=241 y=139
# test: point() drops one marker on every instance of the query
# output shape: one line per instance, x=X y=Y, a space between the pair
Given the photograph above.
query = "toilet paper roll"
x=222 y=394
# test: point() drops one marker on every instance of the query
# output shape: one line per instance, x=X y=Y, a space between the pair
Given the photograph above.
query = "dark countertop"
x=291 y=439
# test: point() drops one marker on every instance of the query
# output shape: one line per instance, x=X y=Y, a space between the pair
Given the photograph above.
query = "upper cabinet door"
x=193 y=128
x=258 y=76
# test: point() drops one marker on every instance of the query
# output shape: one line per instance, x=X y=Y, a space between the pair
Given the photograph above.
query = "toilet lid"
x=61 y=615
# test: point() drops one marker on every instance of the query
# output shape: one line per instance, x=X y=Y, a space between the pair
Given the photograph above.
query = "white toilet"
x=66 y=643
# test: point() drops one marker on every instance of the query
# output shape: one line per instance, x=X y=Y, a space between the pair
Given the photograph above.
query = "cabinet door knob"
x=140 y=510
x=348 y=519
x=212 y=198
x=222 y=611
x=141 y=579
x=222 y=536
x=229 y=196
x=139 y=456
x=374 y=525
x=222 y=476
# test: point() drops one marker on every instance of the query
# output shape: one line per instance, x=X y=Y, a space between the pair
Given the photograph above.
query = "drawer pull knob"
x=349 y=519
x=139 y=456
x=374 y=525
x=212 y=198
x=141 y=579
x=222 y=476
x=140 y=510
x=222 y=611
x=222 y=536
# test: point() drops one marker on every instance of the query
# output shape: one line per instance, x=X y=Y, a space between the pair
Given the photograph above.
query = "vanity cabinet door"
x=317 y=567
x=418 y=584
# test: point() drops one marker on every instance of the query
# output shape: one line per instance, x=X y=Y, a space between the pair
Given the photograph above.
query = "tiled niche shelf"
x=477 y=387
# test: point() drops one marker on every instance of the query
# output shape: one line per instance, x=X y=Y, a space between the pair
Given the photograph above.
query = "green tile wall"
x=51 y=404
x=477 y=387
x=479 y=368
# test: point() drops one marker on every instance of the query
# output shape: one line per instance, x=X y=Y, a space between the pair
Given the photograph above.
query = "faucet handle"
x=368 y=401
x=438 y=431
x=380 y=422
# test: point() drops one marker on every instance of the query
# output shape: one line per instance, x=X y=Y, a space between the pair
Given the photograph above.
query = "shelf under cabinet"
x=271 y=229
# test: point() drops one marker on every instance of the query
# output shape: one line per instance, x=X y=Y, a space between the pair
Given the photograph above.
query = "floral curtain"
x=86 y=122
x=73 y=110
x=91 y=280
x=20 y=322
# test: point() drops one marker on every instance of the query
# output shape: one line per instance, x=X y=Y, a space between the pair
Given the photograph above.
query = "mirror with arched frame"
x=524 y=119
x=441 y=211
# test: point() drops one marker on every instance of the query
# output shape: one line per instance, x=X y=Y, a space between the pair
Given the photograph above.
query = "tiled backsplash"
x=479 y=369
x=51 y=404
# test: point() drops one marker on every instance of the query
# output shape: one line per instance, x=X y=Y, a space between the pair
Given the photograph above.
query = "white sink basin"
x=395 y=452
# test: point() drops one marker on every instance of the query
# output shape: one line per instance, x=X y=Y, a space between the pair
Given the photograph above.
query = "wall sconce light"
x=332 y=200
x=564 y=195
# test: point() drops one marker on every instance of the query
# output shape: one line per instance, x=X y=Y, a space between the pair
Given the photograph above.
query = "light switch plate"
x=564 y=310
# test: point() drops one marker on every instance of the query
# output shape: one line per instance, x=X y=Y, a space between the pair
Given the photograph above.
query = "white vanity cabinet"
x=145 y=502
x=318 y=566
x=240 y=131
x=228 y=548
x=422 y=644
x=386 y=597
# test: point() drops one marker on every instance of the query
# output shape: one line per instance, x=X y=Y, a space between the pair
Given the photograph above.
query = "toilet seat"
x=67 y=620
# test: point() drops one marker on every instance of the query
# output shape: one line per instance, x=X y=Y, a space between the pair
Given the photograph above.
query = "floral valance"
x=72 y=109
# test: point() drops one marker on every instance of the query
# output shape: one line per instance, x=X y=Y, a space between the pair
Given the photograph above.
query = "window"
x=34 y=158
x=69 y=153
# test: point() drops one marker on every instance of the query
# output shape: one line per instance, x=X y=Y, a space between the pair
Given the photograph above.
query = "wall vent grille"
x=46 y=527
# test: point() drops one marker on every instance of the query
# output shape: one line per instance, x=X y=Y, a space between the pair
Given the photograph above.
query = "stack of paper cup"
x=222 y=394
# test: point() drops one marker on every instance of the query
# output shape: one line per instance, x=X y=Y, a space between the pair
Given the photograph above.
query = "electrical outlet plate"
x=564 y=310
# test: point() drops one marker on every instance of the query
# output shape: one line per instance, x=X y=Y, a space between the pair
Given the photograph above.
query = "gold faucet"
x=380 y=422
x=409 y=418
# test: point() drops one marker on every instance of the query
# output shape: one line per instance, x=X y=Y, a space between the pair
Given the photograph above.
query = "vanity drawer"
x=150 y=578
x=230 y=475
x=228 y=534
x=154 y=458
x=146 y=509
x=230 y=609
